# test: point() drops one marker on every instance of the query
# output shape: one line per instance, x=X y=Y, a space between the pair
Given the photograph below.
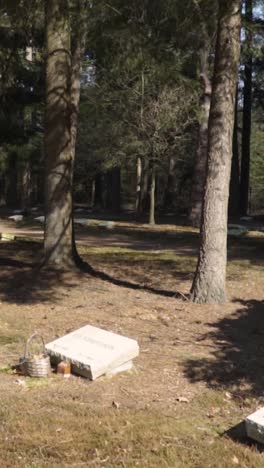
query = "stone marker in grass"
x=255 y=426
x=93 y=352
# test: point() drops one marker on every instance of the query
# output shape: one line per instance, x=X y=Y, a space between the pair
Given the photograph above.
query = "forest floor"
x=200 y=371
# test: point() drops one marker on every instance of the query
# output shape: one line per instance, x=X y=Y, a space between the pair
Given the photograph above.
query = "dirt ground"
x=200 y=371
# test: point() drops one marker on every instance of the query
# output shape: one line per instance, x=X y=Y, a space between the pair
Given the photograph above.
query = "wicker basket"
x=35 y=366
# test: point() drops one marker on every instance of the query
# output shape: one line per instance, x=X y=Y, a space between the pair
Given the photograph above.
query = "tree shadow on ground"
x=32 y=286
x=139 y=239
x=20 y=284
x=239 y=435
x=23 y=282
x=237 y=360
x=144 y=269
x=247 y=248
x=130 y=285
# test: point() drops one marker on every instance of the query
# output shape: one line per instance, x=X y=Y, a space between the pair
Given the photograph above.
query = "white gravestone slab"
x=82 y=221
x=16 y=218
x=40 y=219
x=255 y=426
x=94 y=352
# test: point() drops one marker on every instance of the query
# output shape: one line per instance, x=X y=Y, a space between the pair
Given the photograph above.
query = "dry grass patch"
x=198 y=375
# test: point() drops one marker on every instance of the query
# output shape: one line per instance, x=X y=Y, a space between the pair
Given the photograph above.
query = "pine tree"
x=58 y=238
x=210 y=277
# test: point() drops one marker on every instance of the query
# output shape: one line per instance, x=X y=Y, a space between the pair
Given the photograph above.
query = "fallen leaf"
x=235 y=460
x=20 y=382
x=115 y=405
x=213 y=412
x=182 y=399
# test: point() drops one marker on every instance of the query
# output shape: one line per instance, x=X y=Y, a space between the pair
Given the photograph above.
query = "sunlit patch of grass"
x=35 y=382
x=144 y=267
x=63 y=433
x=6 y=369
x=167 y=262
x=135 y=255
x=10 y=339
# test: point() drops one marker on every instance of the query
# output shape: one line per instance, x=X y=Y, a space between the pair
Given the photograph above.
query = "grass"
x=47 y=433
x=10 y=339
x=57 y=422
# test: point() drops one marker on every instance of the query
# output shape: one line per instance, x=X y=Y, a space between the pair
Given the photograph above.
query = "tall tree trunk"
x=138 y=187
x=108 y=183
x=170 y=188
x=77 y=51
x=98 y=191
x=152 y=196
x=11 y=181
x=113 y=188
x=2 y=189
x=26 y=185
x=246 y=133
x=233 y=208
x=58 y=244
x=144 y=195
x=116 y=189
x=210 y=277
x=92 y=203
x=199 y=174
x=63 y=69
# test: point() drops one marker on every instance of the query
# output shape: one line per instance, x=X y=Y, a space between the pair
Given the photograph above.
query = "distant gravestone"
x=40 y=219
x=107 y=224
x=246 y=218
x=17 y=212
x=79 y=210
x=17 y=217
x=82 y=221
x=236 y=230
x=255 y=426
x=93 y=352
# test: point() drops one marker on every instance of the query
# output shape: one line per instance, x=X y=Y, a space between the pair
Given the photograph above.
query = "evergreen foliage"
x=140 y=96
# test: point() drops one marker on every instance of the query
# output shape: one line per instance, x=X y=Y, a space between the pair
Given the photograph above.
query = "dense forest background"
x=146 y=68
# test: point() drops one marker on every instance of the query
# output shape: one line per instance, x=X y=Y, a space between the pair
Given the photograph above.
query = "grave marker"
x=93 y=352
x=255 y=426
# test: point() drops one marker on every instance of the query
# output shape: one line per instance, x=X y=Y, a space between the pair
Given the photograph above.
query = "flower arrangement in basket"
x=35 y=365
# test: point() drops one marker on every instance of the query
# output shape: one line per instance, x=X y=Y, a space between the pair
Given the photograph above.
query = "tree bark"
x=2 y=189
x=63 y=67
x=170 y=188
x=246 y=132
x=98 y=191
x=113 y=188
x=58 y=146
x=233 y=208
x=116 y=189
x=144 y=196
x=12 y=181
x=210 y=277
x=199 y=174
x=152 y=196
x=26 y=185
x=77 y=51
x=138 y=187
